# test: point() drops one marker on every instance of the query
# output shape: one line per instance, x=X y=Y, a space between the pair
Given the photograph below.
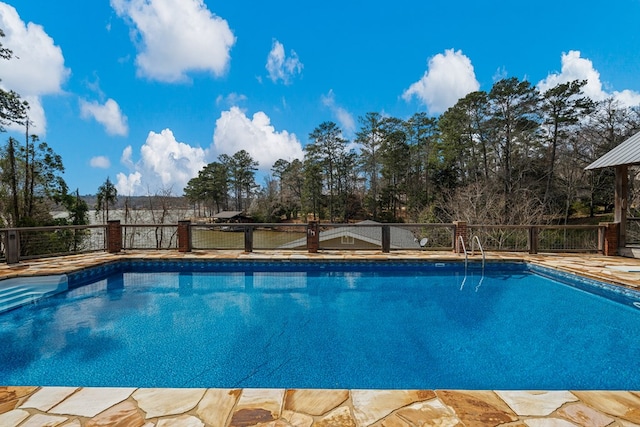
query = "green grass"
x=216 y=239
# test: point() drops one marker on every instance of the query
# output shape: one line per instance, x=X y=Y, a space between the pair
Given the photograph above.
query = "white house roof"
x=401 y=238
x=627 y=153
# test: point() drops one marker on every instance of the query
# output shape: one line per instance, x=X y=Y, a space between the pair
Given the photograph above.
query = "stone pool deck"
x=85 y=406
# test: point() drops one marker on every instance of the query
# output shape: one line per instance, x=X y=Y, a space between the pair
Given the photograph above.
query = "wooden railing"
x=36 y=242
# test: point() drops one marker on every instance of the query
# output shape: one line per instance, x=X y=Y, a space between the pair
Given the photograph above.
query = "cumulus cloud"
x=449 y=77
x=235 y=131
x=101 y=162
x=129 y=184
x=108 y=115
x=37 y=68
x=281 y=67
x=165 y=163
x=342 y=116
x=125 y=159
x=574 y=67
x=176 y=36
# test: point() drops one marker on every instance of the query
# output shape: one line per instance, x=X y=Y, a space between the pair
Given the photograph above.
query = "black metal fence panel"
x=37 y=242
x=150 y=236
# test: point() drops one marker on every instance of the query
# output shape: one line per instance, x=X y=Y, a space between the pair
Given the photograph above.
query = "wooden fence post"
x=12 y=246
x=461 y=231
x=533 y=240
x=184 y=236
x=611 y=238
x=248 y=238
x=386 y=239
x=313 y=237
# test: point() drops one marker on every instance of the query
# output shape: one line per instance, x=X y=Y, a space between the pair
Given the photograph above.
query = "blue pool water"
x=404 y=325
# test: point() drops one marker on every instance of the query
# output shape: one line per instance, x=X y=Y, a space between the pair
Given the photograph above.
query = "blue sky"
x=147 y=92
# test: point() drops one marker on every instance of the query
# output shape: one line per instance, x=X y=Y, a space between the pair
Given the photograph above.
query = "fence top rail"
x=53 y=227
x=390 y=224
x=571 y=227
x=149 y=225
x=545 y=227
x=321 y=224
x=248 y=224
x=277 y=224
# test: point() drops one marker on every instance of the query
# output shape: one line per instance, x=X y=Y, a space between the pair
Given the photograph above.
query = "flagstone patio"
x=85 y=406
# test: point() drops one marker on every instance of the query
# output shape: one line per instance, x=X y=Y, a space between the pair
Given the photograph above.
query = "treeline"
x=511 y=155
x=31 y=172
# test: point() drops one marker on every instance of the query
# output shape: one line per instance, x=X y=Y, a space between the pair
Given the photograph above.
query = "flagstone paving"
x=139 y=407
x=279 y=407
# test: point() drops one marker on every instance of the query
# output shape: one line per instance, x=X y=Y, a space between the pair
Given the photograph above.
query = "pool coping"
x=80 y=406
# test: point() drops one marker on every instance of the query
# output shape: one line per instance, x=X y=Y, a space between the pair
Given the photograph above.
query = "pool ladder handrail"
x=475 y=239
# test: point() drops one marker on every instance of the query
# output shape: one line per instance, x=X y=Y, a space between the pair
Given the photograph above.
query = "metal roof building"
x=624 y=155
x=627 y=153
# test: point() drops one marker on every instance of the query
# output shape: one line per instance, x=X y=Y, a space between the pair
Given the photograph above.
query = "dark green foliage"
x=210 y=189
x=511 y=155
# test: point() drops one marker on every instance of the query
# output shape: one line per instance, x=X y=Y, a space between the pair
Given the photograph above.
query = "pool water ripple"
x=358 y=325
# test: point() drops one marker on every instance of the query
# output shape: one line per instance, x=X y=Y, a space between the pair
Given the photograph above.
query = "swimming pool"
x=383 y=325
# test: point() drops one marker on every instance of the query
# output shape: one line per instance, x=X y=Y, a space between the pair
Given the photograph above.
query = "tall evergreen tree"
x=29 y=196
x=106 y=196
x=242 y=169
x=326 y=147
x=514 y=116
x=562 y=107
x=370 y=137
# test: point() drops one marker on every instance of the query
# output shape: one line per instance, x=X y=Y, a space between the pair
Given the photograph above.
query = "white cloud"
x=574 y=67
x=37 y=68
x=129 y=185
x=174 y=162
x=175 y=37
x=627 y=97
x=108 y=115
x=231 y=99
x=281 y=67
x=449 y=77
x=101 y=162
x=165 y=163
x=125 y=159
x=235 y=131
x=344 y=118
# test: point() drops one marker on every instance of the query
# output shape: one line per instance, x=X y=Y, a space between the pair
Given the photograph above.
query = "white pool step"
x=19 y=291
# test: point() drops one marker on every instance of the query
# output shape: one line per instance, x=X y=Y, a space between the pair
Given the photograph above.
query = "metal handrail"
x=475 y=239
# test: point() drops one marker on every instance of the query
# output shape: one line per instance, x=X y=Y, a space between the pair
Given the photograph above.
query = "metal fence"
x=543 y=238
x=37 y=242
x=40 y=242
x=633 y=231
x=570 y=238
x=150 y=236
x=364 y=236
x=260 y=236
x=501 y=238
